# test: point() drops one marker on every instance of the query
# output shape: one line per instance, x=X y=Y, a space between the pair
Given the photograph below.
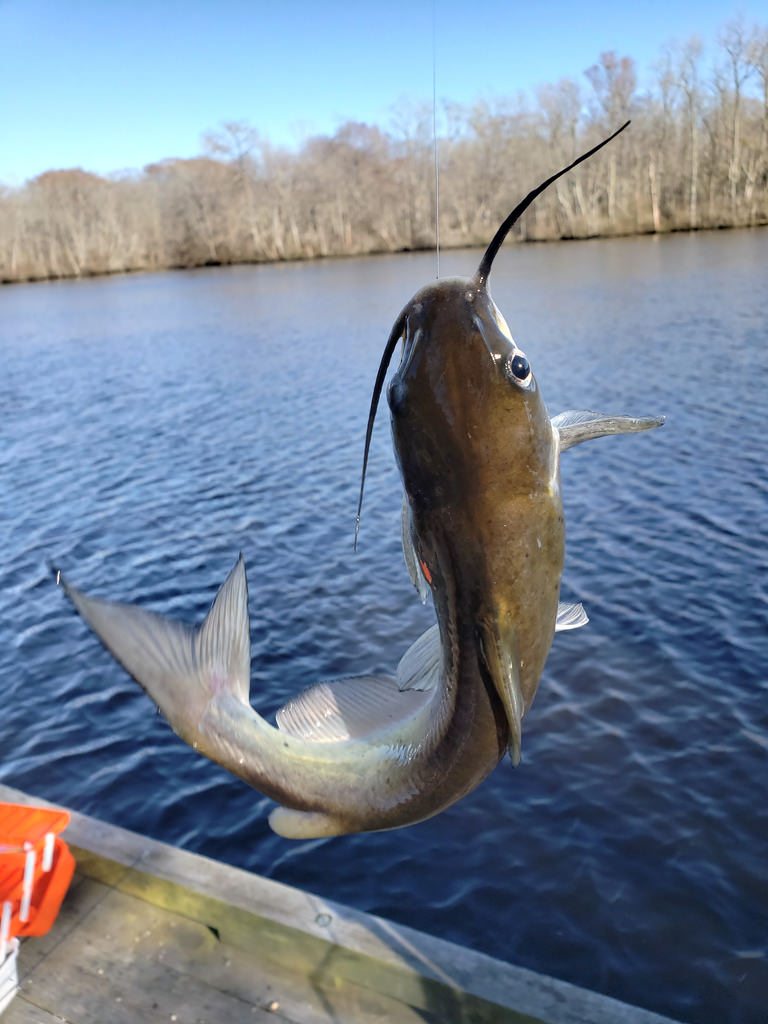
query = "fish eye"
x=518 y=368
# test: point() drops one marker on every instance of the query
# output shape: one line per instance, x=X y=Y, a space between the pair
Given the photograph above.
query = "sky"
x=112 y=85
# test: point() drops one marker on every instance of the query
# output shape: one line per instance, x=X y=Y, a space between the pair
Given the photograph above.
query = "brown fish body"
x=480 y=467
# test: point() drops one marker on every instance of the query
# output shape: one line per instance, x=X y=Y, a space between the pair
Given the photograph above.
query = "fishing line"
x=434 y=136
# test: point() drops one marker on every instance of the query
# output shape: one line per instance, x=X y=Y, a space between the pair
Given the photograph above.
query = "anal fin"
x=347 y=709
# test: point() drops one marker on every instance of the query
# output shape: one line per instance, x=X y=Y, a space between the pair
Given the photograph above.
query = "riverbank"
x=154 y=267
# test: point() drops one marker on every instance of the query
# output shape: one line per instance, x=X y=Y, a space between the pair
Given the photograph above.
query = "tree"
x=733 y=40
x=614 y=81
x=697 y=155
x=757 y=58
x=688 y=77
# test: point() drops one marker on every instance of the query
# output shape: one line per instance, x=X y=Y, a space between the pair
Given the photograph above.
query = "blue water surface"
x=153 y=426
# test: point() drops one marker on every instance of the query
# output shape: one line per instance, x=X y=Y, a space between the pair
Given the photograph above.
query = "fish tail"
x=184 y=669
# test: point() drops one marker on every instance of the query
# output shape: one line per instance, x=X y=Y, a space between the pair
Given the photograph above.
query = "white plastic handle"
x=5 y=928
x=50 y=839
x=29 y=878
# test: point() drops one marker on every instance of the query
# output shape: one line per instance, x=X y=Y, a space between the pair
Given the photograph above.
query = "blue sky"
x=114 y=85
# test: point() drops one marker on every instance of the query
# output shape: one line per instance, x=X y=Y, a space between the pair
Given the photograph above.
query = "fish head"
x=468 y=419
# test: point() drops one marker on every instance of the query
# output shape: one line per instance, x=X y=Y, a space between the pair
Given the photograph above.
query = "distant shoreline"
x=694 y=157
x=88 y=274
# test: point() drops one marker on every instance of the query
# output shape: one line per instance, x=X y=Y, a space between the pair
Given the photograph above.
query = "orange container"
x=36 y=868
x=21 y=824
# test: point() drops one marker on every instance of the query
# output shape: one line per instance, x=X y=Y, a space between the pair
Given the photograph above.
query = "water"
x=154 y=426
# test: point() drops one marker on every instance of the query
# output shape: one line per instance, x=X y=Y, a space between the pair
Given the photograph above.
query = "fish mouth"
x=497 y=657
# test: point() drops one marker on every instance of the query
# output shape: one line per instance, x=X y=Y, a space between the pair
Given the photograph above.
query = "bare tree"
x=733 y=40
x=688 y=77
x=614 y=81
x=757 y=58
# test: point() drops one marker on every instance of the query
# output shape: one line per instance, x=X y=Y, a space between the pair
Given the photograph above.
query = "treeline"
x=696 y=156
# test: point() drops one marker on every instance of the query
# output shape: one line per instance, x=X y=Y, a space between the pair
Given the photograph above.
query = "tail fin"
x=181 y=667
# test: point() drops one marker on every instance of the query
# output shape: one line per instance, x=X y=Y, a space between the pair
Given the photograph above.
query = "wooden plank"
x=110 y=967
x=128 y=960
x=328 y=949
x=323 y=941
x=82 y=896
x=21 y=1011
x=299 y=998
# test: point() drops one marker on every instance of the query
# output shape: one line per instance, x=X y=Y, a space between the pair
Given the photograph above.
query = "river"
x=153 y=426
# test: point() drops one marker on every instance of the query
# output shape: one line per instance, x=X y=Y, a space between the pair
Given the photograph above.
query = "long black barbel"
x=395 y=335
x=490 y=253
x=481 y=276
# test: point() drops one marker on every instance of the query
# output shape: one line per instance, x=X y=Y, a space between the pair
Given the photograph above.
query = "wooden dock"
x=151 y=933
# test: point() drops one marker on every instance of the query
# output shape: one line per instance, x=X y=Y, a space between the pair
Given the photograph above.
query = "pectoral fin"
x=570 y=616
x=409 y=553
x=575 y=427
